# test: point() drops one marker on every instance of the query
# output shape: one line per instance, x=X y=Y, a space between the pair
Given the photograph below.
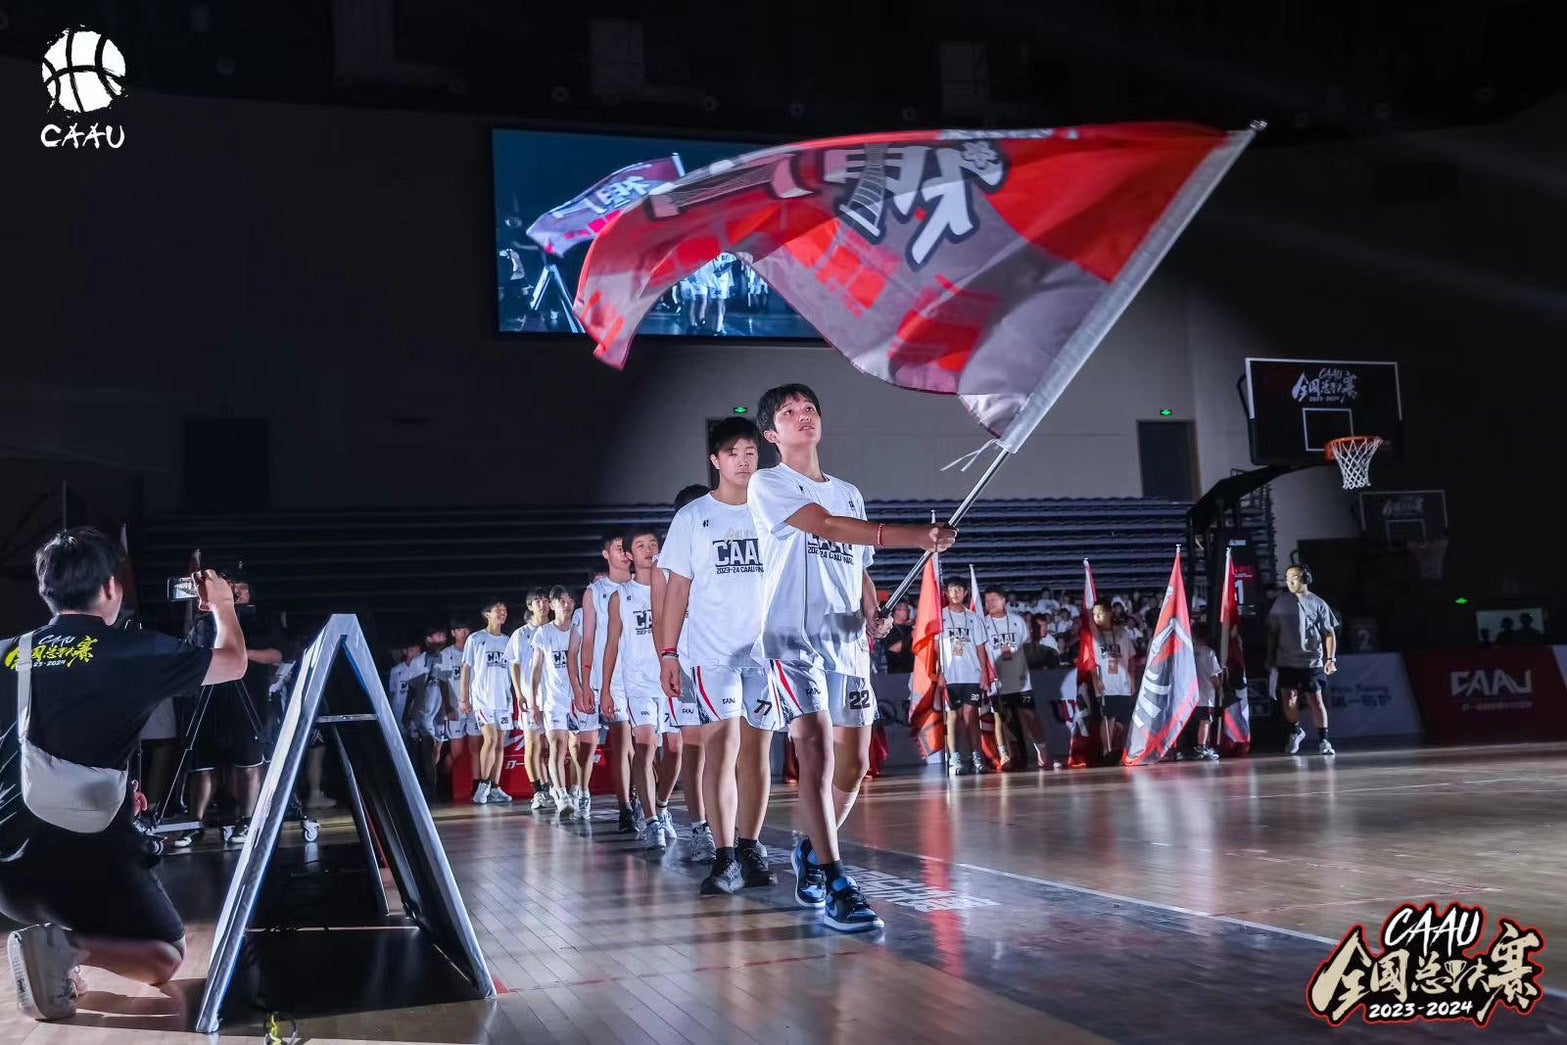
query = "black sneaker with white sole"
x=848 y=911
x=725 y=879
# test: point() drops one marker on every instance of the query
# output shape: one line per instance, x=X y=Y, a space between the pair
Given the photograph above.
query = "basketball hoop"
x=1353 y=454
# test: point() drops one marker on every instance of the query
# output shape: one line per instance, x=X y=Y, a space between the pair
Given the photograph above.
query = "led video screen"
x=554 y=192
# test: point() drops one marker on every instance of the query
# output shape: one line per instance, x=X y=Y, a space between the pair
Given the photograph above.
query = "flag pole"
x=957 y=516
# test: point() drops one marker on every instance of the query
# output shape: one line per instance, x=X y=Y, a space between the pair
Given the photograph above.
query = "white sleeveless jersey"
x=601 y=591
x=637 y=662
x=520 y=652
x=554 y=681
x=715 y=546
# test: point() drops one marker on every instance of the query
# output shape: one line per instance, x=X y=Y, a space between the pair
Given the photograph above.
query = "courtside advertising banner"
x=1501 y=693
x=1370 y=696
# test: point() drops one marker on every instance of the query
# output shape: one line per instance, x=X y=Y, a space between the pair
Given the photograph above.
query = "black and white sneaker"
x=810 y=881
x=628 y=821
x=724 y=880
x=753 y=867
x=848 y=911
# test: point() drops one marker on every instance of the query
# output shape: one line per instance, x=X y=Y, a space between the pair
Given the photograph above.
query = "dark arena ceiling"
x=1314 y=69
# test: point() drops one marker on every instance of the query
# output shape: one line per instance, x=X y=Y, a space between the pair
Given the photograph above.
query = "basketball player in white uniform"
x=556 y=693
x=708 y=622
x=681 y=730
x=487 y=693
x=462 y=728
x=631 y=654
x=960 y=678
x=817 y=602
x=612 y=710
x=519 y=655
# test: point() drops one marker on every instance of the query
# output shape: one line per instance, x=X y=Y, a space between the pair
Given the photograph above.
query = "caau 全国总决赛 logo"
x=83 y=73
x=1425 y=969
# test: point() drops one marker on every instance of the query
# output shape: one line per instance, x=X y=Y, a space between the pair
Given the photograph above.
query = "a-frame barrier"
x=389 y=811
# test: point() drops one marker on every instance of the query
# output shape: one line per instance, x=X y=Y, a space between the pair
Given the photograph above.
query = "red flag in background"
x=1078 y=686
x=1236 y=738
x=926 y=718
x=1168 y=693
x=588 y=213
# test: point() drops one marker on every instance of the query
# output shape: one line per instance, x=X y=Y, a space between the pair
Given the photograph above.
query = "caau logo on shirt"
x=558 y=657
x=737 y=555
x=1426 y=971
x=832 y=551
x=644 y=621
x=57 y=651
x=83 y=72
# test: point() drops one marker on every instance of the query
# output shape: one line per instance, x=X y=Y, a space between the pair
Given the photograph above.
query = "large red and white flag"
x=927 y=719
x=588 y=213
x=983 y=264
x=1168 y=694
x=1237 y=716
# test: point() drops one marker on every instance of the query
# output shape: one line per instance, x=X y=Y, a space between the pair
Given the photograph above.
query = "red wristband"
x=670 y=652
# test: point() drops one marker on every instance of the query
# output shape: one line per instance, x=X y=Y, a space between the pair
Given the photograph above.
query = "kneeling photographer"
x=74 y=697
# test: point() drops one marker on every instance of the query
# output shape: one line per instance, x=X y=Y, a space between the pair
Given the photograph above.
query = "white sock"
x=842 y=802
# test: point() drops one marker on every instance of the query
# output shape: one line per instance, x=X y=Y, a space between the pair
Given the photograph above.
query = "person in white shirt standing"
x=462 y=729
x=1113 y=653
x=1004 y=634
x=707 y=624
x=961 y=674
x=519 y=656
x=1210 y=683
x=487 y=694
x=681 y=729
x=612 y=710
x=631 y=654
x=557 y=695
x=817 y=605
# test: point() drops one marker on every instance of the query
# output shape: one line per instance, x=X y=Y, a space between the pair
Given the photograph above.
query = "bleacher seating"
x=405 y=565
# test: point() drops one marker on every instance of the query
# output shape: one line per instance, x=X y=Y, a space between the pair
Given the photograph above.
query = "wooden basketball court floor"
x=1182 y=902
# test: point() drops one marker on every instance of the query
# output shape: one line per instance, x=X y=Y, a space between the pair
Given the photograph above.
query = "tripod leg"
x=177 y=781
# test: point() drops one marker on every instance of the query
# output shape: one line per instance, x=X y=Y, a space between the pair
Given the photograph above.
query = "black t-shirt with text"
x=93 y=688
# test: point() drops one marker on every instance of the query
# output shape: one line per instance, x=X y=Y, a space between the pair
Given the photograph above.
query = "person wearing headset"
x=1302 y=643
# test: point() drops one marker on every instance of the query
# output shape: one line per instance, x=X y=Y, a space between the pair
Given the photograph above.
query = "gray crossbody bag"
x=77 y=798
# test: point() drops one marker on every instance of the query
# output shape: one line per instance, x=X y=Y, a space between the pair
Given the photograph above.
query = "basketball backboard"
x=1295 y=407
x=1394 y=517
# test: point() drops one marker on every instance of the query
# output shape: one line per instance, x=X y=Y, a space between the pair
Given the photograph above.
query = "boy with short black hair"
x=817 y=605
x=632 y=656
x=519 y=654
x=960 y=674
x=708 y=621
x=425 y=720
x=487 y=694
x=1005 y=634
x=595 y=635
x=556 y=694
x=462 y=728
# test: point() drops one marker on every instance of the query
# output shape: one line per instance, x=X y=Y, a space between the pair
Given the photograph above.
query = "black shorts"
x=1017 y=700
x=1116 y=708
x=227 y=736
x=1301 y=680
x=964 y=694
x=98 y=885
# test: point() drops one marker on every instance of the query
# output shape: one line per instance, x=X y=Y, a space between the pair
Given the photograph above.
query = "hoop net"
x=1353 y=454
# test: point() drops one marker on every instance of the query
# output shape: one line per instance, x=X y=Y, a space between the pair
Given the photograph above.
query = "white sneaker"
x=585 y=805
x=702 y=847
x=1292 y=746
x=1325 y=748
x=42 y=965
x=498 y=796
x=667 y=824
x=540 y=800
x=638 y=818
x=481 y=794
x=652 y=836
